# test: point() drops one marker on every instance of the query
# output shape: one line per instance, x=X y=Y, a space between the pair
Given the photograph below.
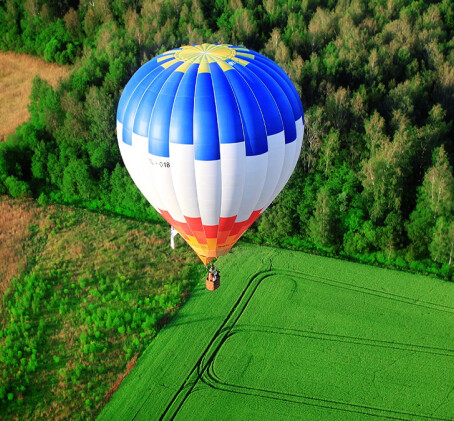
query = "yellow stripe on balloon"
x=165 y=56
x=240 y=61
x=223 y=65
x=245 y=55
x=183 y=67
x=204 y=66
x=169 y=63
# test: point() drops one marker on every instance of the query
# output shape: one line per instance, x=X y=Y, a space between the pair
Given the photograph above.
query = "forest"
x=374 y=181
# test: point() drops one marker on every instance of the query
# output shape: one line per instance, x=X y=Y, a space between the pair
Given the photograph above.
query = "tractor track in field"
x=203 y=371
x=383 y=294
x=210 y=378
x=310 y=334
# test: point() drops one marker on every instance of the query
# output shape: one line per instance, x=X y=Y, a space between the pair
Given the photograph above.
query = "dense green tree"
x=321 y=28
x=442 y=245
x=77 y=180
x=329 y=153
x=101 y=145
x=39 y=161
x=385 y=173
x=323 y=224
x=315 y=131
x=277 y=224
x=435 y=202
x=45 y=107
x=389 y=235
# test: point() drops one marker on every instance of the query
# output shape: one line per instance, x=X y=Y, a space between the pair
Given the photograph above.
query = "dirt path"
x=16 y=76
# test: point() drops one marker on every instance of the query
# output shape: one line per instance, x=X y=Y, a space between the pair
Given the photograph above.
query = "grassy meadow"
x=16 y=76
x=88 y=294
x=305 y=336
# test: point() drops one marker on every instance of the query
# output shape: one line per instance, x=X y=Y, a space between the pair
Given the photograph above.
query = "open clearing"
x=16 y=76
x=294 y=336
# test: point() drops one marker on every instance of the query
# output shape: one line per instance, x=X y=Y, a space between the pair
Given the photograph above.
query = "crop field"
x=294 y=336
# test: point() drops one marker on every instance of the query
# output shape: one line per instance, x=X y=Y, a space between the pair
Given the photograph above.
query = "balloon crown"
x=225 y=55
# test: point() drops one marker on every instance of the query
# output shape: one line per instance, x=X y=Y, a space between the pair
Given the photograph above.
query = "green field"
x=294 y=336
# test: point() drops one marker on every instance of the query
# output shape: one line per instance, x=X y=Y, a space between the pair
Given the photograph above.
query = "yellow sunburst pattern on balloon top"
x=226 y=56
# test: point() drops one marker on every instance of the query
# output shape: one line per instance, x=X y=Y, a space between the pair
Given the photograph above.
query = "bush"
x=417 y=266
x=16 y=188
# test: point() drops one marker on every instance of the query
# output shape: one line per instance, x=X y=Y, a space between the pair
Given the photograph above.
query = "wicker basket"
x=212 y=285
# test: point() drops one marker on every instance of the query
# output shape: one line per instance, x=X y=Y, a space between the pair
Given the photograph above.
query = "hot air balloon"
x=210 y=134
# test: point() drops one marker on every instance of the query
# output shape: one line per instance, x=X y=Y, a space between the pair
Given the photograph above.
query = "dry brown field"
x=16 y=76
x=15 y=219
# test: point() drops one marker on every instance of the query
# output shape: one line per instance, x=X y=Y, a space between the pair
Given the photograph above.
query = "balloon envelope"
x=210 y=134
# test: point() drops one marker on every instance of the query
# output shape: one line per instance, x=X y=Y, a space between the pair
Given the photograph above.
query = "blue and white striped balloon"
x=210 y=135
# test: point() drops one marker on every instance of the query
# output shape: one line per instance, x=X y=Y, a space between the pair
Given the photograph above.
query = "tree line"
x=374 y=180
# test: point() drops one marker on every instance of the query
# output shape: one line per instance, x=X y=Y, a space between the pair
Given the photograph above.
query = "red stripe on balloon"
x=225 y=226
x=211 y=231
x=240 y=227
x=195 y=224
x=250 y=221
x=181 y=227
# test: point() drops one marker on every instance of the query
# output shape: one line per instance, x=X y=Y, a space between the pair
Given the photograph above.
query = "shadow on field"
x=181 y=320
